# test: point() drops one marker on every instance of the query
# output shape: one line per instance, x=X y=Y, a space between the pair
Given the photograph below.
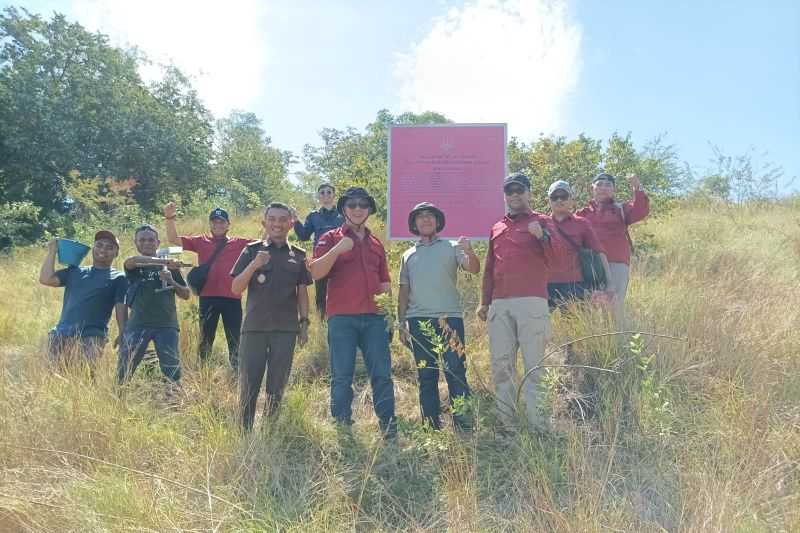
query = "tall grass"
x=700 y=434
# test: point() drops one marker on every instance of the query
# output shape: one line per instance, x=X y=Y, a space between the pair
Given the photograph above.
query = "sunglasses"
x=560 y=197
x=352 y=204
x=515 y=189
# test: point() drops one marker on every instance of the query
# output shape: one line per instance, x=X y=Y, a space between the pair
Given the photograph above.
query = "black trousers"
x=211 y=308
x=320 y=293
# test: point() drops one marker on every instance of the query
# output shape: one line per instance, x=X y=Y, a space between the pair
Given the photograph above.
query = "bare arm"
x=170 y=214
x=183 y=291
x=607 y=268
x=302 y=301
x=137 y=261
x=402 y=302
x=121 y=313
x=47 y=274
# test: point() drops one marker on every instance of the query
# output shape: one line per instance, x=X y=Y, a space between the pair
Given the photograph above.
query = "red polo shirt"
x=517 y=262
x=357 y=274
x=219 y=280
x=607 y=223
x=568 y=268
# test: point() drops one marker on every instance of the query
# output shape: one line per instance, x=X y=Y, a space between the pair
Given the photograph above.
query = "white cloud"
x=222 y=47
x=509 y=61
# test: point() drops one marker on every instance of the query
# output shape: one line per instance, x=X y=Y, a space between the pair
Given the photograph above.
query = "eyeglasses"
x=361 y=204
x=560 y=197
x=515 y=189
x=325 y=192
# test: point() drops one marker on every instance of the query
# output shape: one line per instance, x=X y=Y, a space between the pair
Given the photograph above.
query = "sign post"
x=458 y=167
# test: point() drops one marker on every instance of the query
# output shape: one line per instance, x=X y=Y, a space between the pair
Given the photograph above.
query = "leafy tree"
x=249 y=170
x=349 y=158
x=555 y=158
x=71 y=102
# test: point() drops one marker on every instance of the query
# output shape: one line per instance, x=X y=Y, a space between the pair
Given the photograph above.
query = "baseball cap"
x=218 y=212
x=559 y=185
x=105 y=234
x=604 y=176
x=518 y=178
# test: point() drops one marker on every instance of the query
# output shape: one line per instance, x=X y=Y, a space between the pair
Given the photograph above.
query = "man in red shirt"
x=355 y=262
x=610 y=221
x=566 y=281
x=216 y=297
x=514 y=298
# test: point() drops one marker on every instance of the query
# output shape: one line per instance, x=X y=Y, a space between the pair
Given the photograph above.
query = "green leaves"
x=69 y=101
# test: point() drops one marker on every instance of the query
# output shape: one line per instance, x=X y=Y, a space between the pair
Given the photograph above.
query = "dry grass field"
x=694 y=429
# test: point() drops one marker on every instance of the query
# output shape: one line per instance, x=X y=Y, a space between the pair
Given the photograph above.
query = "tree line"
x=84 y=139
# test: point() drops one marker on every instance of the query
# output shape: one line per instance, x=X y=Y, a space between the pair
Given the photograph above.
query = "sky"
x=700 y=73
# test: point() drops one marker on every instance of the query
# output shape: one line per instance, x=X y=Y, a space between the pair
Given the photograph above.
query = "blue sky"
x=726 y=73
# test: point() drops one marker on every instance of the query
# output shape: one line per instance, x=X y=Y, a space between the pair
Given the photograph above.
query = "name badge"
x=261 y=278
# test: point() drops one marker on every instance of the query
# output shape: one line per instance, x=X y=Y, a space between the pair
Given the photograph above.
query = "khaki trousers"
x=518 y=323
x=620 y=274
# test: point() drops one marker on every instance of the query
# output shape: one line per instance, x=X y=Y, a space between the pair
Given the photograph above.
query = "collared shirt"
x=318 y=223
x=272 y=291
x=568 y=268
x=517 y=262
x=218 y=282
x=357 y=274
x=89 y=297
x=430 y=270
x=610 y=222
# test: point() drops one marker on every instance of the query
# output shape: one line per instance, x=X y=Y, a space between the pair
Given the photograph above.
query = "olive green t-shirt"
x=151 y=309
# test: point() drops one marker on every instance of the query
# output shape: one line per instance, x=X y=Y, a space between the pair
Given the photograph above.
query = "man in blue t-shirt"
x=90 y=294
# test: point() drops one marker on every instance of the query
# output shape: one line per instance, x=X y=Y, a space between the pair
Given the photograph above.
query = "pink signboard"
x=457 y=167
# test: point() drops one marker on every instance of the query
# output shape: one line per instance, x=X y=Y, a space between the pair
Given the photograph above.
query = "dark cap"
x=604 y=176
x=218 y=212
x=559 y=185
x=105 y=234
x=356 y=192
x=425 y=206
x=518 y=178
x=326 y=185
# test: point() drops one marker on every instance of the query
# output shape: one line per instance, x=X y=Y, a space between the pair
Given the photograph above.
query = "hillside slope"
x=695 y=429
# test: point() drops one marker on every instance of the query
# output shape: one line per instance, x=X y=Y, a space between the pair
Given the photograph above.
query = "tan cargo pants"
x=518 y=323
x=620 y=274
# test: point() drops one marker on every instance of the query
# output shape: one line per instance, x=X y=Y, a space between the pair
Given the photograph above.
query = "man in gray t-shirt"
x=429 y=306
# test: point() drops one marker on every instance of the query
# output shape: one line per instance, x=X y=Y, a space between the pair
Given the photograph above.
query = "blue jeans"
x=58 y=346
x=560 y=294
x=368 y=332
x=455 y=371
x=134 y=343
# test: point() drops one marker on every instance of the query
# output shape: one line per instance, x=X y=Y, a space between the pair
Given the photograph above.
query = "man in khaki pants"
x=514 y=299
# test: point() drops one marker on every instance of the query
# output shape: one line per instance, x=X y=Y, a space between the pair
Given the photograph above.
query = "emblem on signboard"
x=447 y=144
